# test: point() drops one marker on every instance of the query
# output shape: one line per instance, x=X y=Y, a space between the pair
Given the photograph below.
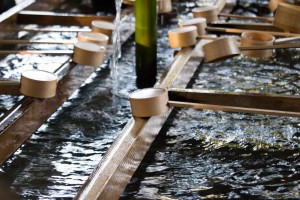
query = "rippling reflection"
x=212 y=154
x=203 y=154
x=59 y=157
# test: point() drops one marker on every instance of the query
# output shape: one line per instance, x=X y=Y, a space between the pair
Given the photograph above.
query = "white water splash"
x=116 y=43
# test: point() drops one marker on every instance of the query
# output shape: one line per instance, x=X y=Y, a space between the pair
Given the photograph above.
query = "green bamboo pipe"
x=146 y=42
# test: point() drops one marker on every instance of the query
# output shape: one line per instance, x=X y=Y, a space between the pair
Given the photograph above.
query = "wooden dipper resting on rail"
x=150 y=102
x=199 y=22
x=183 y=37
x=104 y=27
x=34 y=83
x=252 y=38
x=224 y=48
x=156 y=101
x=87 y=53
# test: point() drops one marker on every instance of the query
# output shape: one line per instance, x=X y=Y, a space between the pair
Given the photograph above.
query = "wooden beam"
x=10 y=87
x=13 y=11
x=50 y=18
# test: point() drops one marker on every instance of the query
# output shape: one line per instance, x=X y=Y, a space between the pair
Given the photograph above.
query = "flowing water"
x=116 y=42
x=198 y=154
x=63 y=152
x=203 y=154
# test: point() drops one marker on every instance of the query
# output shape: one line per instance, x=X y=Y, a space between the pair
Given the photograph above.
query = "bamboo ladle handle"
x=94 y=37
x=239 y=31
x=276 y=46
x=277 y=41
x=11 y=41
x=268 y=19
x=285 y=40
x=84 y=53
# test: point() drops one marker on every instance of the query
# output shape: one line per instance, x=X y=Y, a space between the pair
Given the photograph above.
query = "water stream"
x=116 y=43
x=203 y=154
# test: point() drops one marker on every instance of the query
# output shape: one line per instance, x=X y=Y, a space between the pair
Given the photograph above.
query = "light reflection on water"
x=208 y=154
x=203 y=154
x=58 y=158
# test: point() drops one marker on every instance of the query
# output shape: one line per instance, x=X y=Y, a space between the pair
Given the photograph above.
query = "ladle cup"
x=183 y=37
x=254 y=38
x=93 y=37
x=200 y=23
x=251 y=38
x=34 y=83
x=104 y=27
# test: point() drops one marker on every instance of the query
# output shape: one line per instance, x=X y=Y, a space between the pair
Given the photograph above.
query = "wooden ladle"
x=156 y=101
x=33 y=83
x=224 y=48
x=255 y=38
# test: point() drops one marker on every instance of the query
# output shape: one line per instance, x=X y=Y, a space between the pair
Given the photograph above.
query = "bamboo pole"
x=146 y=42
